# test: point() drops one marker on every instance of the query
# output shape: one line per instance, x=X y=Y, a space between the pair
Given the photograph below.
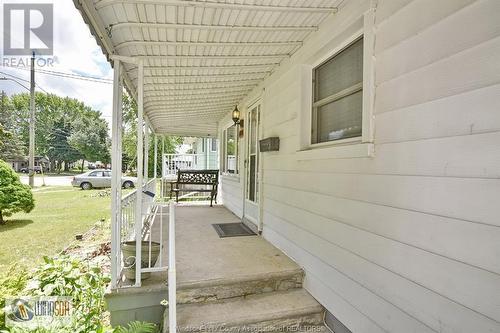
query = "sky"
x=75 y=52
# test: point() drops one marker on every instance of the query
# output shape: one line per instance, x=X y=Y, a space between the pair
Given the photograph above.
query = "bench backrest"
x=199 y=177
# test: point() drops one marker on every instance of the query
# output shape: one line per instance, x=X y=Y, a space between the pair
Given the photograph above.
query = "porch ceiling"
x=201 y=57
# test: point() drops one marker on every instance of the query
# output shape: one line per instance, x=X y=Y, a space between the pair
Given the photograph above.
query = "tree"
x=57 y=120
x=14 y=196
x=90 y=138
x=129 y=108
x=11 y=146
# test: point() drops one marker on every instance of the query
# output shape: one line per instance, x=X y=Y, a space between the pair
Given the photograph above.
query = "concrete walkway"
x=204 y=258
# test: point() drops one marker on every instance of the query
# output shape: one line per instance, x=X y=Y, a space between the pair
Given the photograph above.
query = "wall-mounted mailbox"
x=270 y=144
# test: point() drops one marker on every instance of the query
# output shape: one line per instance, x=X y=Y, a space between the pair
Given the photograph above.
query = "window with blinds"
x=338 y=95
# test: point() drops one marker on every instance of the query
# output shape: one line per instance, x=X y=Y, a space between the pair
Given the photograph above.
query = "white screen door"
x=251 y=209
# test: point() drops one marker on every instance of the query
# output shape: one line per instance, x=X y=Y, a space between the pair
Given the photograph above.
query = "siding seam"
x=385 y=237
x=385 y=205
x=384 y=268
x=348 y=277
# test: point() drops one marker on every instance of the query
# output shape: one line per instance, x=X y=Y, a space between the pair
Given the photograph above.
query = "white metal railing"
x=172 y=273
x=174 y=162
x=154 y=212
x=128 y=231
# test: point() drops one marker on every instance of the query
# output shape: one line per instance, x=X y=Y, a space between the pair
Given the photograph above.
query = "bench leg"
x=211 y=199
x=177 y=196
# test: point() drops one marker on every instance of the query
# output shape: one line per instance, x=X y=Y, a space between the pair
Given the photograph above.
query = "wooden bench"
x=200 y=179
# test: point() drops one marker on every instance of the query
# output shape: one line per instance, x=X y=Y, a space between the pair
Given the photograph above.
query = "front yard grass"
x=60 y=213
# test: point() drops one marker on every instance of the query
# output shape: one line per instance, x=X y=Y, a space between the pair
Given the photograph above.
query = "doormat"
x=232 y=230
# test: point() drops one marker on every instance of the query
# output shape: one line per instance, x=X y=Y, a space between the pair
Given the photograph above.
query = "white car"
x=99 y=178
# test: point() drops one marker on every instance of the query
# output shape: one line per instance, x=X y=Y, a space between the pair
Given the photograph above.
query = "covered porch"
x=261 y=283
x=188 y=64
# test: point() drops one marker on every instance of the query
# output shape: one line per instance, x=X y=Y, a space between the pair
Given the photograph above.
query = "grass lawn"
x=60 y=213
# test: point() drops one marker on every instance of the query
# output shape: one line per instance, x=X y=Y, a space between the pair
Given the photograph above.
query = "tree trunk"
x=66 y=166
x=83 y=162
x=1 y=218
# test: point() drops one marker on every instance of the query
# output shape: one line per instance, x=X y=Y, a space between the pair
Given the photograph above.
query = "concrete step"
x=281 y=311
x=243 y=285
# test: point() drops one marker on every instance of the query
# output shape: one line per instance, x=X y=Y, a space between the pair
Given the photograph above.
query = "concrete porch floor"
x=203 y=260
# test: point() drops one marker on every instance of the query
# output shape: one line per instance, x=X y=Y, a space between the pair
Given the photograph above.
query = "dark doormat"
x=232 y=230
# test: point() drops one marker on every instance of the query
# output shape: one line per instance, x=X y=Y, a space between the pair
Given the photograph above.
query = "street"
x=49 y=180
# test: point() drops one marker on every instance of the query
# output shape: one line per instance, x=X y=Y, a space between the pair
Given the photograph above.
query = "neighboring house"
x=21 y=165
x=385 y=188
x=207 y=151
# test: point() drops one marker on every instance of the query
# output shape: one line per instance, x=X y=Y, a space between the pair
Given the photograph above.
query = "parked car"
x=99 y=179
x=37 y=168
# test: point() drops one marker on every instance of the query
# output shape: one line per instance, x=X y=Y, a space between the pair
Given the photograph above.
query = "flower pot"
x=128 y=251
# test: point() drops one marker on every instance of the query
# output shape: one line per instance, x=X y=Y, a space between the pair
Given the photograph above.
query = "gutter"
x=91 y=18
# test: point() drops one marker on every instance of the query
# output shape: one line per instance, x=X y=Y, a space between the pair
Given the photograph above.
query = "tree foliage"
x=11 y=147
x=14 y=196
x=59 y=123
x=129 y=108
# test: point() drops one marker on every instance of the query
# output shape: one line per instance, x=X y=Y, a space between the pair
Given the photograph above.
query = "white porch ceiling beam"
x=197 y=97
x=123 y=25
x=197 y=92
x=182 y=120
x=205 y=57
x=190 y=105
x=184 y=110
x=230 y=83
x=195 y=80
x=201 y=76
x=222 y=67
x=232 y=44
x=172 y=88
x=221 y=5
x=182 y=102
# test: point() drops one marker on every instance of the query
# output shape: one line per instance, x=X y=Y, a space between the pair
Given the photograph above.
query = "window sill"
x=356 y=150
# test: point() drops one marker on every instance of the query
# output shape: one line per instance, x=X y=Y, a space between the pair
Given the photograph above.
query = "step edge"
x=240 y=279
x=255 y=319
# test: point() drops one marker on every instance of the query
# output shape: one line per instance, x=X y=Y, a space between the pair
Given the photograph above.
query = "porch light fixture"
x=236 y=115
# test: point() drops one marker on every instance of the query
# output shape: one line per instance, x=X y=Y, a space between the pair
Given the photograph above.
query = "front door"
x=251 y=204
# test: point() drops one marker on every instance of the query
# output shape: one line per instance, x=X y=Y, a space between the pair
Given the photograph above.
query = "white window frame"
x=361 y=146
x=223 y=151
x=212 y=141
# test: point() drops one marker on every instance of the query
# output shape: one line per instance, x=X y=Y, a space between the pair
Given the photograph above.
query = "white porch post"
x=146 y=151
x=155 y=160
x=116 y=172
x=140 y=178
x=163 y=161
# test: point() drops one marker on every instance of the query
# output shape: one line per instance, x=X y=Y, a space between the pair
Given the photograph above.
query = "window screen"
x=230 y=150
x=337 y=105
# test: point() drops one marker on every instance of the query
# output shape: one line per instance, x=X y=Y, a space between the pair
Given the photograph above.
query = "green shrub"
x=14 y=196
x=12 y=283
x=64 y=276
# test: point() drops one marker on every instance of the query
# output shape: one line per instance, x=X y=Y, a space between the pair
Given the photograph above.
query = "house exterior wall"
x=207 y=159
x=406 y=237
x=231 y=186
